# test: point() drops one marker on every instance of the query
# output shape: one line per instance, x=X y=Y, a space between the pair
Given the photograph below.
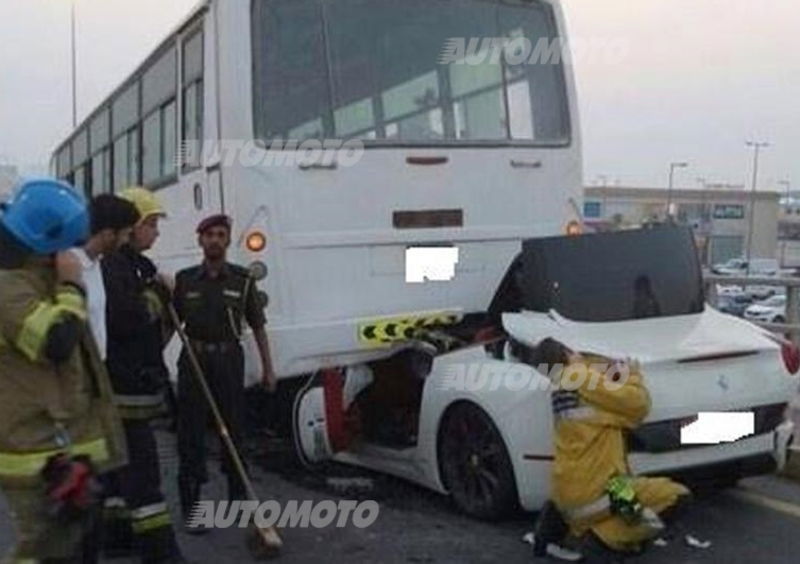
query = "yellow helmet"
x=145 y=202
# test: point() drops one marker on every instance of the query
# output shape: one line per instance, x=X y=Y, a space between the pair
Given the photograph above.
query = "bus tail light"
x=574 y=228
x=256 y=242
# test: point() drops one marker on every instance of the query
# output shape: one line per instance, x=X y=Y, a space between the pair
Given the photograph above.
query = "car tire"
x=779 y=319
x=475 y=465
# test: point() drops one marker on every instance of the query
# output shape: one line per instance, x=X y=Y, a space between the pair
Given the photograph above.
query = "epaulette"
x=191 y=271
x=239 y=270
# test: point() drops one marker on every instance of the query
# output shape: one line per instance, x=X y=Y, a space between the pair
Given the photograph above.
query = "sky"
x=695 y=81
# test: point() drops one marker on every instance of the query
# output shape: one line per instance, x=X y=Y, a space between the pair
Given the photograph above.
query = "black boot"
x=550 y=528
x=117 y=539
x=189 y=490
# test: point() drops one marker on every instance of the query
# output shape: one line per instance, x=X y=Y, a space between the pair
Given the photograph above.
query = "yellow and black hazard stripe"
x=387 y=331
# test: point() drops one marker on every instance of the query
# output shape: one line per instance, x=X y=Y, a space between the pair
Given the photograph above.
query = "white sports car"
x=455 y=411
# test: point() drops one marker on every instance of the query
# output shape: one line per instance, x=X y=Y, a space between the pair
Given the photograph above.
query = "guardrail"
x=792 y=284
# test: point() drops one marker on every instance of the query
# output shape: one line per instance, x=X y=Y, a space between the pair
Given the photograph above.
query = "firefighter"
x=213 y=299
x=58 y=425
x=136 y=295
x=592 y=484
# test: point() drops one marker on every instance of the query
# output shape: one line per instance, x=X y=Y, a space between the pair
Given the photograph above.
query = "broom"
x=263 y=542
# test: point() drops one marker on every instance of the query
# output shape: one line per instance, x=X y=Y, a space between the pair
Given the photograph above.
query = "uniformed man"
x=213 y=299
x=58 y=424
x=135 y=309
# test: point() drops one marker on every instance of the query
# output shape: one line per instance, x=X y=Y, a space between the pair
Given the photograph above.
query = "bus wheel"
x=475 y=465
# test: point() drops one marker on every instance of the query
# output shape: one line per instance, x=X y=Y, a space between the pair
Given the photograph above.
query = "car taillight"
x=791 y=357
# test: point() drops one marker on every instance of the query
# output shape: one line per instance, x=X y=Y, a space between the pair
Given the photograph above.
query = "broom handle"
x=220 y=421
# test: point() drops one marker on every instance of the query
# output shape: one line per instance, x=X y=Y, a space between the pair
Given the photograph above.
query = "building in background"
x=720 y=216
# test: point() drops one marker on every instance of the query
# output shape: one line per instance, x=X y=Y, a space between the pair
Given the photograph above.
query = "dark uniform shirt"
x=135 y=336
x=213 y=307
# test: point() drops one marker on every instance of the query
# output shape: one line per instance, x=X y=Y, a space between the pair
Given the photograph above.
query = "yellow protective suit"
x=590 y=450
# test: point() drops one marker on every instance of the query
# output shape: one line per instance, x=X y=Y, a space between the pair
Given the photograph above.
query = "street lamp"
x=672 y=167
x=604 y=179
x=788 y=205
x=757 y=146
x=73 y=51
x=788 y=186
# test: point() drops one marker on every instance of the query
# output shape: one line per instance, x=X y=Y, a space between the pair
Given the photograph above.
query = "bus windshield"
x=410 y=71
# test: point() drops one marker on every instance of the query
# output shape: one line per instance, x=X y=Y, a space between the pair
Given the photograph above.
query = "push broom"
x=264 y=542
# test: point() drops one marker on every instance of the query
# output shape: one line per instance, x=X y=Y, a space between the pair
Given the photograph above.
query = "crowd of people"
x=84 y=320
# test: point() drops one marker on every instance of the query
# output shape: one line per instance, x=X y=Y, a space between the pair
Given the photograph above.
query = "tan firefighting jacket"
x=590 y=450
x=46 y=409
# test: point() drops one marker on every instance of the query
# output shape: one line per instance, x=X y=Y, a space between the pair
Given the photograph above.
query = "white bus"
x=465 y=154
x=477 y=156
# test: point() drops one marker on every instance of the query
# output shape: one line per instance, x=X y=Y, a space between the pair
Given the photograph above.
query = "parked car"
x=738 y=267
x=772 y=310
x=763 y=267
x=734 y=303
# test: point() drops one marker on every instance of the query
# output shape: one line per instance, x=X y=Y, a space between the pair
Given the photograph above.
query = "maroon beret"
x=218 y=220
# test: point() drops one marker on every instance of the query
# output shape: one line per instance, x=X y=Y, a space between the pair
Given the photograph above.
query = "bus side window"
x=192 y=92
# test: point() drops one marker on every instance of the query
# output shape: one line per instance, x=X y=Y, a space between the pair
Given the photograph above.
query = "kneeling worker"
x=58 y=425
x=592 y=484
x=212 y=300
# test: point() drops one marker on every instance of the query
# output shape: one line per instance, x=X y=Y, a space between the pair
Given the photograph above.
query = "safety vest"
x=47 y=409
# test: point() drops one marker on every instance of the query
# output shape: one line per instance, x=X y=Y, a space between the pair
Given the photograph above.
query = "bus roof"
x=201 y=7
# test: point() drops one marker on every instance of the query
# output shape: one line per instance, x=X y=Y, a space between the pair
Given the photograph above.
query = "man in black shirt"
x=212 y=300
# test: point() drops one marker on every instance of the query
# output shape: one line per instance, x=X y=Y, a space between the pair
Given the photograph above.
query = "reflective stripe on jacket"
x=31 y=464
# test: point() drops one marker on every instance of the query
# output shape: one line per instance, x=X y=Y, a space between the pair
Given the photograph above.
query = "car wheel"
x=475 y=465
x=779 y=319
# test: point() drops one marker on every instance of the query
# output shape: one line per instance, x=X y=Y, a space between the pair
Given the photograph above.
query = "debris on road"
x=694 y=542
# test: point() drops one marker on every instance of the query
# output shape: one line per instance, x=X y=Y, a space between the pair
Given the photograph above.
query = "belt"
x=219 y=347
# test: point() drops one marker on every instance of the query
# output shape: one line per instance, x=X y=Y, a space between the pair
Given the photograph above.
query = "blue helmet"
x=46 y=216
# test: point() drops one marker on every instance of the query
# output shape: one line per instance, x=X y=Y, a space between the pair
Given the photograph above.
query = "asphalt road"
x=759 y=522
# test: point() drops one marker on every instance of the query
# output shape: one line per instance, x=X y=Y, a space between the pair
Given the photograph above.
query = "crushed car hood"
x=650 y=340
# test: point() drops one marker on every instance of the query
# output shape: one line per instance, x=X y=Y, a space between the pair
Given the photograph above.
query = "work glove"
x=71 y=486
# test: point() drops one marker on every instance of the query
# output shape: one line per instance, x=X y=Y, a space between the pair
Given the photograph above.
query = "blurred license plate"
x=712 y=428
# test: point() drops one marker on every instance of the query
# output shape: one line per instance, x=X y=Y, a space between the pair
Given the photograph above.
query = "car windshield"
x=613 y=276
x=775 y=301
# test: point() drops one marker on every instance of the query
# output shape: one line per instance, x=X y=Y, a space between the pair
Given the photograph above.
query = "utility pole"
x=672 y=167
x=73 y=50
x=757 y=146
x=604 y=183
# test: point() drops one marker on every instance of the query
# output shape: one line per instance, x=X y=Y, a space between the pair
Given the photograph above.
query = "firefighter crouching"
x=592 y=484
x=212 y=300
x=58 y=426
x=136 y=295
